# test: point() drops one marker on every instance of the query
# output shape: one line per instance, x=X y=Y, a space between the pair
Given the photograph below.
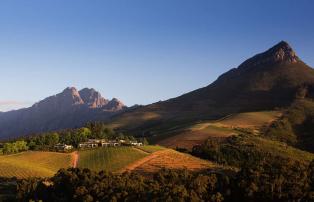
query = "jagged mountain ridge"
x=87 y=97
x=68 y=109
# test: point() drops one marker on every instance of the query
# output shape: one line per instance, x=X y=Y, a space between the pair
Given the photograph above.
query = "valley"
x=254 y=120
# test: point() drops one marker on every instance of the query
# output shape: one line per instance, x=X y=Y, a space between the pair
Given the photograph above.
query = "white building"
x=63 y=147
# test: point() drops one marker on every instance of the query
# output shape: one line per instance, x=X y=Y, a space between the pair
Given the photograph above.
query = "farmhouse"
x=88 y=145
x=63 y=147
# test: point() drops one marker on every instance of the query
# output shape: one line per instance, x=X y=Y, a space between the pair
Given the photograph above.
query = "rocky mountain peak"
x=281 y=53
x=70 y=96
x=92 y=98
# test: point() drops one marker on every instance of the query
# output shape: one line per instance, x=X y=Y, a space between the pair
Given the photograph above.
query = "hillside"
x=195 y=134
x=269 y=80
x=296 y=125
x=33 y=164
x=168 y=159
x=68 y=109
x=110 y=159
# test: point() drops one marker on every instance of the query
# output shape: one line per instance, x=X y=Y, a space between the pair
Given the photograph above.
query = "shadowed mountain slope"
x=268 y=80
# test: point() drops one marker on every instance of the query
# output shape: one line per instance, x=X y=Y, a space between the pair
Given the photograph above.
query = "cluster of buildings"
x=92 y=143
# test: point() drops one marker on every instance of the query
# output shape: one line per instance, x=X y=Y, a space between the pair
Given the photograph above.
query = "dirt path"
x=142 y=161
x=74 y=157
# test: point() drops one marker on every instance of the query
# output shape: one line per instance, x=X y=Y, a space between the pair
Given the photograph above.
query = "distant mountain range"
x=68 y=109
x=272 y=79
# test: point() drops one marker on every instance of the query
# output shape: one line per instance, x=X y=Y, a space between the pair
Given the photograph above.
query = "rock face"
x=92 y=98
x=281 y=53
x=68 y=109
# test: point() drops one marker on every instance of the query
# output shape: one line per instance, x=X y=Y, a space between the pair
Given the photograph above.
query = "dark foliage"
x=280 y=180
x=296 y=126
x=85 y=185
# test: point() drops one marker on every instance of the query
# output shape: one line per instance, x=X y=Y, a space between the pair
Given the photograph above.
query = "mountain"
x=266 y=81
x=68 y=109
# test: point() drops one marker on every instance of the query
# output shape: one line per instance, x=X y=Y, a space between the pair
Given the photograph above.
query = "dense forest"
x=278 y=180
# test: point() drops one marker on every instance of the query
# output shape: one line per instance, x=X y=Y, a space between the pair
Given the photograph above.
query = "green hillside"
x=109 y=158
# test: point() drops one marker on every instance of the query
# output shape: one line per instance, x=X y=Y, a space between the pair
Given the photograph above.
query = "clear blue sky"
x=140 y=51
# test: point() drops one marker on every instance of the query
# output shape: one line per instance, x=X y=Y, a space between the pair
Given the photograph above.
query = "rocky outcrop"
x=92 y=98
x=281 y=53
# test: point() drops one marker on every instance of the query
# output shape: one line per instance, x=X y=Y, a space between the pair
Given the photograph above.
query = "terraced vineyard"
x=109 y=158
x=33 y=164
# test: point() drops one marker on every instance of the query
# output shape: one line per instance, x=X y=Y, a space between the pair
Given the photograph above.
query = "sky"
x=139 y=51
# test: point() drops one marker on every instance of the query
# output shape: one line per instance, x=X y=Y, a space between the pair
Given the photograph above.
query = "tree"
x=20 y=145
x=81 y=135
x=51 y=139
x=145 y=142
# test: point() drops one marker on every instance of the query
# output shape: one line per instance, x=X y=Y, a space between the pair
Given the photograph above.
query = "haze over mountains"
x=274 y=78
x=68 y=109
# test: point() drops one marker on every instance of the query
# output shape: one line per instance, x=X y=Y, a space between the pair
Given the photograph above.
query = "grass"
x=197 y=133
x=110 y=159
x=33 y=164
x=249 y=119
x=151 y=148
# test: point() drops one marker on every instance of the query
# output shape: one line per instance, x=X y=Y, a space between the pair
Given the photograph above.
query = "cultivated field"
x=109 y=158
x=33 y=164
x=198 y=133
x=253 y=120
x=167 y=158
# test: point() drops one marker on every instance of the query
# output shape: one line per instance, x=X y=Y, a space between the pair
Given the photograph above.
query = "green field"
x=109 y=158
x=33 y=164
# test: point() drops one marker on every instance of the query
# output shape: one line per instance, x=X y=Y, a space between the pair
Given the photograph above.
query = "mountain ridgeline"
x=269 y=80
x=68 y=109
x=274 y=78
